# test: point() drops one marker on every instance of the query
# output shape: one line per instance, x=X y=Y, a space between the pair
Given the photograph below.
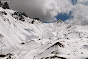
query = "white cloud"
x=46 y=10
x=80 y=14
x=82 y=0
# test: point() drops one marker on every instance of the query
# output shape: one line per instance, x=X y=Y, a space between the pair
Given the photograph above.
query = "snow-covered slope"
x=26 y=38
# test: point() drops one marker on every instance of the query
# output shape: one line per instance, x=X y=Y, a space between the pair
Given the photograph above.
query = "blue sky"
x=73 y=2
x=65 y=16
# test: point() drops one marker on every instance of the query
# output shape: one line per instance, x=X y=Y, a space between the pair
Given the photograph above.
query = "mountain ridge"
x=28 y=38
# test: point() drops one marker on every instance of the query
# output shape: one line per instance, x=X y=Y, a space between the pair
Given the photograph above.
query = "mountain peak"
x=26 y=38
x=60 y=21
x=4 y=5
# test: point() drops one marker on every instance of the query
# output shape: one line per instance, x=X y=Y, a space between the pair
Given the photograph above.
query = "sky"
x=70 y=11
x=46 y=10
x=79 y=13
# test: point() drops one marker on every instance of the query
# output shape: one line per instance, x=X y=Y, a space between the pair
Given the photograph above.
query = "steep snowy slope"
x=25 y=38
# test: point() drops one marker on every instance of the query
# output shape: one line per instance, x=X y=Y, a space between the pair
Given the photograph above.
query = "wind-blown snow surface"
x=25 y=40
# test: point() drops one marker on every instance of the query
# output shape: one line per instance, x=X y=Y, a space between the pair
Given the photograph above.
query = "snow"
x=25 y=40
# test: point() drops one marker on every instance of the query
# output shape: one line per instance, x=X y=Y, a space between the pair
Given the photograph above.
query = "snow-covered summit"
x=25 y=38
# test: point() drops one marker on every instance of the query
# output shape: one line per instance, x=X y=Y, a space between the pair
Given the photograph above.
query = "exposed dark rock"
x=57 y=57
x=33 y=22
x=67 y=38
x=5 y=6
x=36 y=18
x=58 y=43
x=19 y=15
x=53 y=57
x=21 y=18
x=9 y=56
x=39 y=39
x=22 y=43
x=4 y=13
x=24 y=14
x=1 y=55
x=68 y=26
x=54 y=52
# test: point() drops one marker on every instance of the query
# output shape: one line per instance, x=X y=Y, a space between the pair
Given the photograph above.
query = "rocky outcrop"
x=5 y=6
x=55 y=57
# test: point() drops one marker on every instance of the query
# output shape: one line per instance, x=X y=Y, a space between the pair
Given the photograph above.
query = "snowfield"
x=31 y=39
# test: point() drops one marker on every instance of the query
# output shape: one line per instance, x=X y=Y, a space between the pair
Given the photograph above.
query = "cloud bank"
x=79 y=13
x=46 y=10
